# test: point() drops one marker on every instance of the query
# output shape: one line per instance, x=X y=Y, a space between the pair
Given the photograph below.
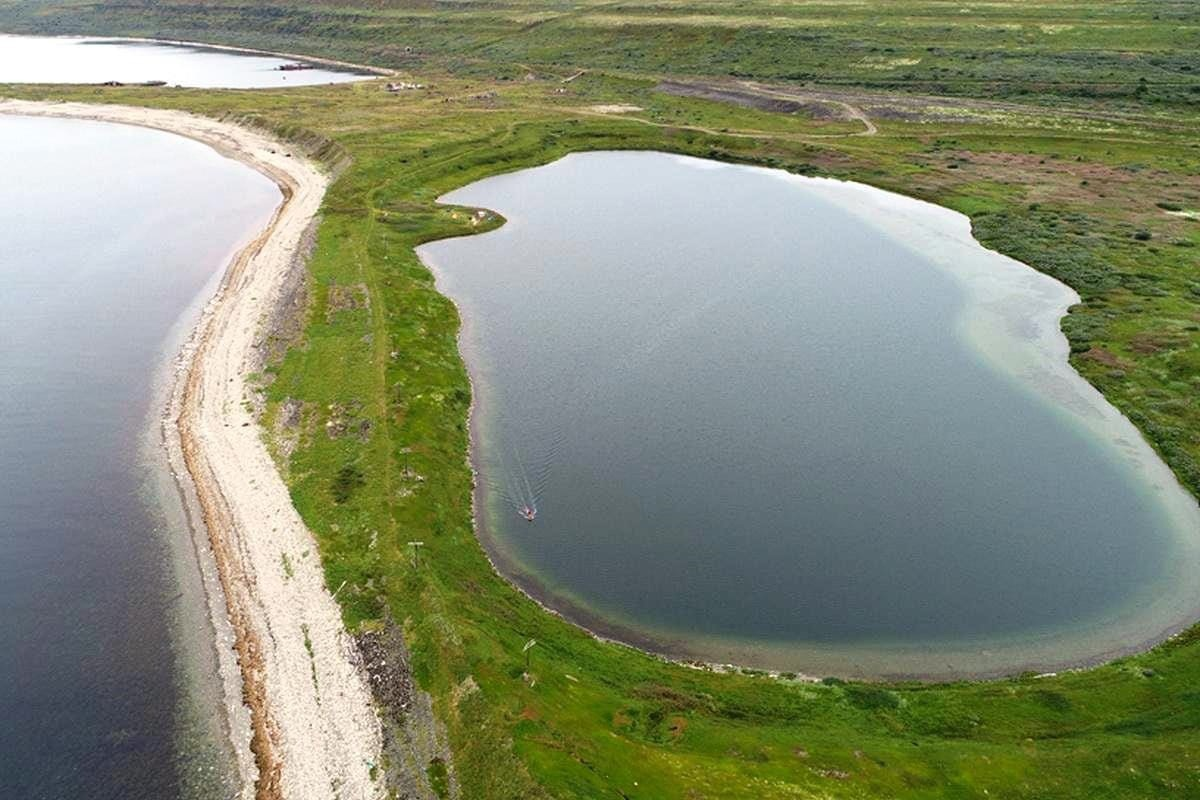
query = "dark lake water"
x=110 y=235
x=799 y=424
x=43 y=59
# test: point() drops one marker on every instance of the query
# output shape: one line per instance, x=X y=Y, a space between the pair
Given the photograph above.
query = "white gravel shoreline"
x=313 y=729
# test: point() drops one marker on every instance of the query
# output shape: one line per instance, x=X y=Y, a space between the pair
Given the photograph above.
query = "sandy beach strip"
x=333 y=63
x=312 y=726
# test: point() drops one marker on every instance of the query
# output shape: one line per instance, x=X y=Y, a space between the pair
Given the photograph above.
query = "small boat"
x=529 y=513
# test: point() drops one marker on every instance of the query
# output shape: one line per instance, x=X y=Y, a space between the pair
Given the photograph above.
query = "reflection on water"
x=758 y=424
x=110 y=233
x=41 y=59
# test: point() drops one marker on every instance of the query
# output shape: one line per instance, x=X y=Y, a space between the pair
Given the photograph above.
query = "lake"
x=108 y=674
x=799 y=424
x=42 y=59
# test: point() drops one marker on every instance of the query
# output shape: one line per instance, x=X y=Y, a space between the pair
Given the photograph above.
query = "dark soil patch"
x=386 y=662
x=344 y=420
x=346 y=298
x=414 y=742
x=746 y=98
x=1104 y=357
x=285 y=328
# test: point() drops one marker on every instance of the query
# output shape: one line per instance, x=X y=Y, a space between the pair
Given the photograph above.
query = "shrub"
x=348 y=479
x=871 y=698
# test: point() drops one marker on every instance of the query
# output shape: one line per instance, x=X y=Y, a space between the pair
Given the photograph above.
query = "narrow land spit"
x=313 y=730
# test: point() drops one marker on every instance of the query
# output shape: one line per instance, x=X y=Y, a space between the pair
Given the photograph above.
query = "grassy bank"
x=367 y=413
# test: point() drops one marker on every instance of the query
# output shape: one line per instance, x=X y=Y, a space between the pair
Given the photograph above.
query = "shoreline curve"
x=1048 y=373
x=344 y=66
x=291 y=647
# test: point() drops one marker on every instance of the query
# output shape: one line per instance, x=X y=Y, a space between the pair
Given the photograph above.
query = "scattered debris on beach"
x=414 y=738
x=139 y=83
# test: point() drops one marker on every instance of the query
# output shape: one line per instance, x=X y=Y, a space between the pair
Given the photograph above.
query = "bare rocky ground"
x=745 y=97
x=832 y=103
x=413 y=738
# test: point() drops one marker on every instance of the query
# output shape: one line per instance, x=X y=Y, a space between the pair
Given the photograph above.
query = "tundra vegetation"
x=1066 y=130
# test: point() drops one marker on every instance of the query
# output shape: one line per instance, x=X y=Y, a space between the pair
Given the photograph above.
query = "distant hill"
x=1143 y=52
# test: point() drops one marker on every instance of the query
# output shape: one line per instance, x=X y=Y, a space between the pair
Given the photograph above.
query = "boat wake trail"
x=522 y=480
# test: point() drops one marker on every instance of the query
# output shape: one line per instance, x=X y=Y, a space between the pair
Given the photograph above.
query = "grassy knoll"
x=368 y=414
